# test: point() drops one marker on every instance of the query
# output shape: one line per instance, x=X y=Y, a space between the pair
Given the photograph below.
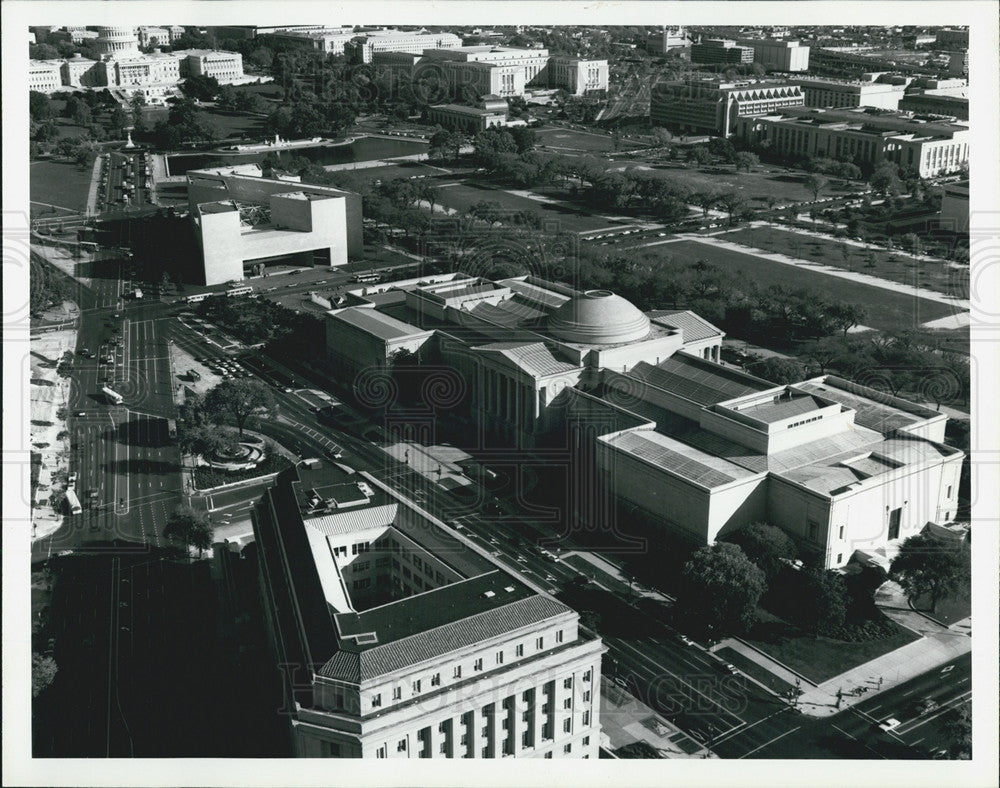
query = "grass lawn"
x=60 y=183
x=820 y=659
x=756 y=185
x=563 y=218
x=948 y=610
x=884 y=309
x=573 y=139
x=939 y=277
x=234 y=124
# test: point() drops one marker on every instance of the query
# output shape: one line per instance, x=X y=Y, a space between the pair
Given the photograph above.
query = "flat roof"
x=694 y=327
x=872 y=408
x=376 y=323
x=784 y=405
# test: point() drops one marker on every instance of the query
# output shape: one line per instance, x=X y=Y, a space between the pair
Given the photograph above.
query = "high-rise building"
x=708 y=106
x=719 y=50
x=396 y=637
x=779 y=54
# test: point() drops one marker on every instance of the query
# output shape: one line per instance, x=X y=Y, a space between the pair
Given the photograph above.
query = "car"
x=889 y=725
x=925 y=705
x=335 y=452
x=80 y=414
x=686 y=640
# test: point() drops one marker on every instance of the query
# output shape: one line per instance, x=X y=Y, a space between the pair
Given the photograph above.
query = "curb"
x=775 y=661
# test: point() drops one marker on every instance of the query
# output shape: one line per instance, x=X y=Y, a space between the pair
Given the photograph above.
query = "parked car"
x=889 y=725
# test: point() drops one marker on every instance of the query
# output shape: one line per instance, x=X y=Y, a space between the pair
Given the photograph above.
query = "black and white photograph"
x=500 y=381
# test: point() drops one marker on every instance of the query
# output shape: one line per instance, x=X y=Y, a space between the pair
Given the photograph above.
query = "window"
x=428 y=570
x=361 y=566
x=416 y=686
x=567 y=725
x=559 y=636
x=443 y=747
x=417 y=563
x=407 y=573
x=380 y=752
x=442 y=727
x=540 y=643
x=486 y=752
x=813 y=529
x=525 y=715
x=418 y=581
x=499 y=657
x=568 y=748
x=526 y=739
x=568 y=683
x=548 y=754
x=464 y=740
x=586 y=741
x=439 y=578
x=568 y=703
x=841 y=533
x=457 y=672
x=397 y=693
x=840 y=557
x=333 y=749
x=364 y=582
x=948 y=494
x=436 y=680
x=586 y=696
x=381 y=563
x=478 y=664
x=586 y=718
x=401 y=746
x=395 y=564
x=519 y=650
x=376 y=700
x=505 y=723
x=586 y=676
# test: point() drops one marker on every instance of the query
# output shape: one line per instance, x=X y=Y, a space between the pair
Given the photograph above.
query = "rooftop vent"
x=509 y=589
x=489 y=594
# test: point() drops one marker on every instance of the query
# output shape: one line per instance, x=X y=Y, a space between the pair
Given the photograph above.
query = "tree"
x=699 y=155
x=744 y=160
x=814 y=184
x=735 y=204
x=706 y=201
x=766 y=545
x=885 y=179
x=39 y=106
x=926 y=566
x=845 y=316
x=958 y=728
x=777 y=370
x=722 y=586
x=189 y=527
x=822 y=600
x=824 y=352
x=238 y=399
x=43 y=673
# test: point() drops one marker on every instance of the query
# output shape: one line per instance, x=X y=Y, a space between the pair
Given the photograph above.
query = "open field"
x=756 y=186
x=466 y=194
x=234 y=124
x=937 y=276
x=61 y=183
x=577 y=140
x=819 y=659
x=884 y=309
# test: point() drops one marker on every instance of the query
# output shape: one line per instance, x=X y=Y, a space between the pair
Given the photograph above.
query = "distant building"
x=364 y=45
x=45 y=76
x=932 y=148
x=469 y=120
x=953 y=106
x=227 y=67
x=955 y=207
x=407 y=640
x=779 y=55
x=688 y=446
x=578 y=76
x=80 y=72
x=669 y=39
x=949 y=37
x=330 y=41
x=707 y=106
x=241 y=218
x=719 y=50
x=958 y=64
x=838 y=93
x=153 y=36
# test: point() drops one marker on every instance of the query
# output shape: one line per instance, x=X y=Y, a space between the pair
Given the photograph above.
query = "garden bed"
x=205 y=478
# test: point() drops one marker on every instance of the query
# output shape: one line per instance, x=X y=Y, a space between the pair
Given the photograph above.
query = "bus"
x=73 y=503
x=172 y=428
x=372 y=278
x=113 y=396
x=239 y=291
x=194 y=299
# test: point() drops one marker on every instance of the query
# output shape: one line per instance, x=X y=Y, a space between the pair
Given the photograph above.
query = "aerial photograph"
x=497 y=392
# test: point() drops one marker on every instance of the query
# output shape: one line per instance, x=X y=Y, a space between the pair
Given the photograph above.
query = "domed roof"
x=598 y=317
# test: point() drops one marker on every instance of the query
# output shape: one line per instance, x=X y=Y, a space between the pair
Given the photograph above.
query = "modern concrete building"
x=708 y=106
x=955 y=207
x=838 y=93
x=931 y=147
x=242 y=218
x=719 y=50
x=407 y=640
x=779 y=54
x=926 y=102
x=578 y=76
x=363 y=46
x=689 y=447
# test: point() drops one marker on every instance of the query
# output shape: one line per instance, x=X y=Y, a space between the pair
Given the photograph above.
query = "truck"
x=113 y=396
x=73 y=503
x=172 y=428
x=137 y=294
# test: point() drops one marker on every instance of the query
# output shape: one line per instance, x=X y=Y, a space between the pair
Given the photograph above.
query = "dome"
x=598 y=317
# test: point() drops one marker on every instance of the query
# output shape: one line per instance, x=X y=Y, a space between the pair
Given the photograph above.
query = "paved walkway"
x=95 y=179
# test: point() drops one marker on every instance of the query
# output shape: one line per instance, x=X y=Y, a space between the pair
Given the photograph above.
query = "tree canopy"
x=189 y=527
x=238 y=399
x=766 y=545
x=722 y=585
x=926 y=566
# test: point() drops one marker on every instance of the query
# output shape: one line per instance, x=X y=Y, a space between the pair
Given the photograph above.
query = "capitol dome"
x=598 y=317
x=117 y=41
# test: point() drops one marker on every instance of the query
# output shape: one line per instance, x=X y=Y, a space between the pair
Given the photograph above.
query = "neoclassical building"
x=396 y=637
x=653 y=418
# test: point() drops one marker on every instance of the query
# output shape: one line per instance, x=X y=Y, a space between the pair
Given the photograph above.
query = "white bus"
x=239 y=291
x=113 y=396
x=194 y=299
x=373 y=278
x=73 y=503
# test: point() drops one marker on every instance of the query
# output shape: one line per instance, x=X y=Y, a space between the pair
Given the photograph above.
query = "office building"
x=329 y=41
x=708 y=106
x=81 y=72
x=928 y=102
x=227 y=67
x=468 y=120
x=364 y=45
x=153 y=36
x=242 y=219
x=718 y=50
x=932 y=148
x=578 y=76
x=779 y=54
x=45 y=76
x=651 y=418
x=409 y=641
x=669 y=39
x=958 y=64
x=819 y=92
x=949 y=38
